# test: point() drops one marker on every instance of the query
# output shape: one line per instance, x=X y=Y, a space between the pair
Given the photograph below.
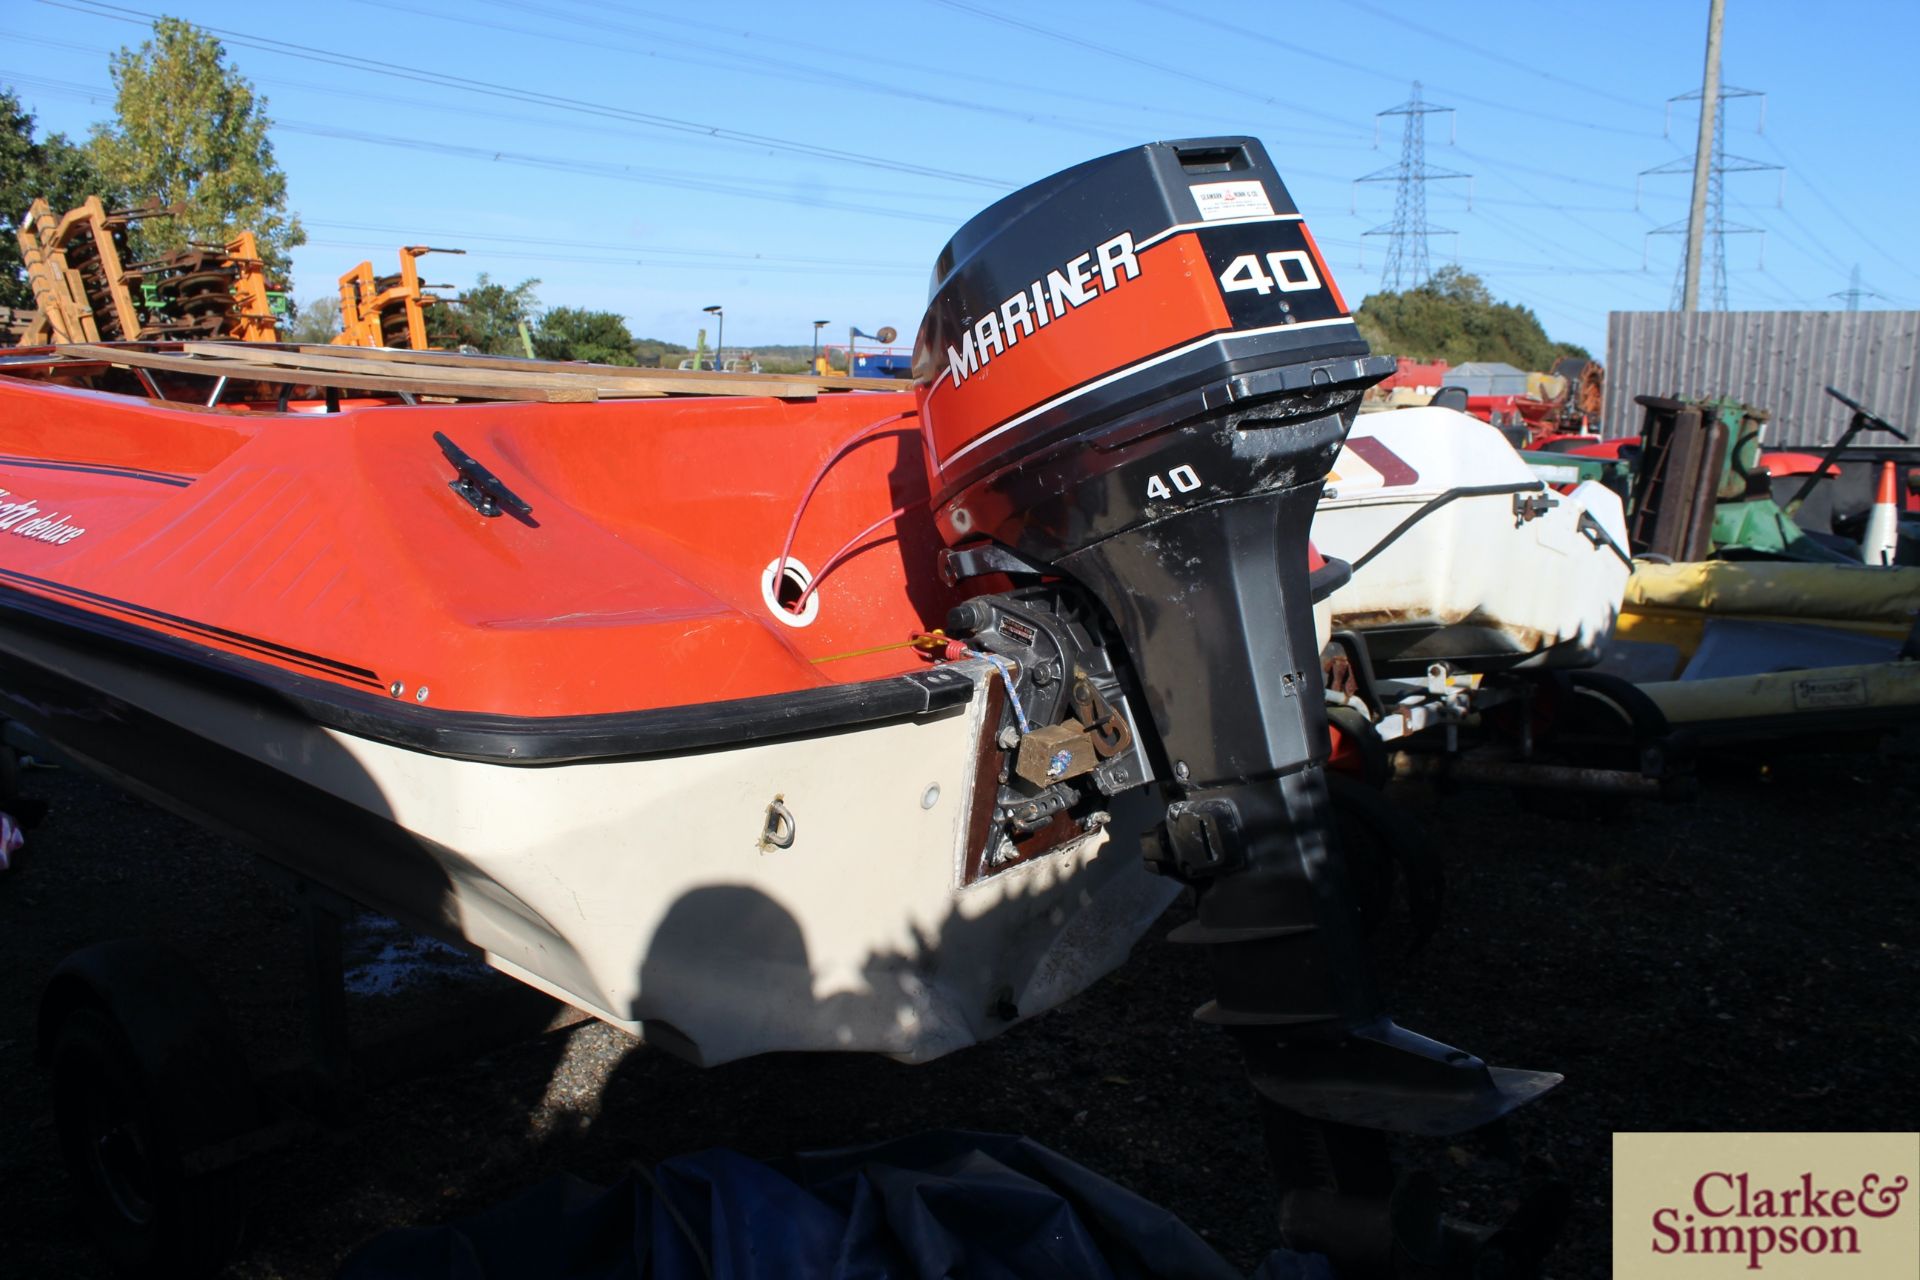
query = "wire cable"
x=267 y=44
x=1081 y=42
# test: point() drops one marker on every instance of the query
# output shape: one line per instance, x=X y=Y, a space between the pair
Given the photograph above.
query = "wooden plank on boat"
x=726 y=381
x=499 y=389
x=249 y=354
x=556 y=375
x=610 y=381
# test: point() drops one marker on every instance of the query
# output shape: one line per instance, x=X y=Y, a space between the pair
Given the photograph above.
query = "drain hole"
x=790 y=587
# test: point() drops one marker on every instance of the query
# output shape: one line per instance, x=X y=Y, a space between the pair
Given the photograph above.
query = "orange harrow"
x=387 y=311
x=87 y=291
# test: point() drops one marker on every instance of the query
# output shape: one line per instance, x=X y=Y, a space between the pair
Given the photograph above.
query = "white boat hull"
x=640 y=890
x=1471 y=583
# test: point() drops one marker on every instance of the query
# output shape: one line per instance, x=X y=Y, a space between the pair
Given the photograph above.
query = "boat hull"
x=1426 y=503
x=635 y=883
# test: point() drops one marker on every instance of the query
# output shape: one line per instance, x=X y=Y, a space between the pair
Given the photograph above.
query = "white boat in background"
x=1461 y=555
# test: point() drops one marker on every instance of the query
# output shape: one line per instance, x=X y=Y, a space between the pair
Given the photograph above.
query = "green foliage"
x=317 y=322
x=1454 y=317
x=191 y=131
x=571 y=333
x=487 y=317
x=657 y=353
x=51 y=168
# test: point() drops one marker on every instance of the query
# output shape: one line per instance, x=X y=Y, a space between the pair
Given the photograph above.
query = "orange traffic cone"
x=1882 y=539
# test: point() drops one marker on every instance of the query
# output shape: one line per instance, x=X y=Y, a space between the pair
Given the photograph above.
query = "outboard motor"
x=1134 y=377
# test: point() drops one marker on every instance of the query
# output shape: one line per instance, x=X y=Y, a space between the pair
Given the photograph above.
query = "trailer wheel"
x=151 y=1215
x=1600 y=720
x=149 y=1089
x=1642 y=714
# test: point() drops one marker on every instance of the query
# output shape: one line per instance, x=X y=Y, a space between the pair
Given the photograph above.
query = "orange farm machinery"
x=87 y=290
x=387 y=311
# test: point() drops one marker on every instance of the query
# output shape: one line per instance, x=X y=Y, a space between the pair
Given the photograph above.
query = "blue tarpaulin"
x=946 y=1204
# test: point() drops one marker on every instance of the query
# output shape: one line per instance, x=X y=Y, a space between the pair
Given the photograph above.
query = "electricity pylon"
x=1407 y=266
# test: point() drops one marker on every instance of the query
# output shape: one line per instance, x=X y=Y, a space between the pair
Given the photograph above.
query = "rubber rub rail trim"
x=482 y=736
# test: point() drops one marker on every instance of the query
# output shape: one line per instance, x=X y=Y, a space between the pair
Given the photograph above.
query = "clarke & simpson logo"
x=1727 y=1214
x=1786 y=1205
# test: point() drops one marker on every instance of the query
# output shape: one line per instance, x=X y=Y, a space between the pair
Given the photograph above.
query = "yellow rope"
x=930 y=642
x=861 y=653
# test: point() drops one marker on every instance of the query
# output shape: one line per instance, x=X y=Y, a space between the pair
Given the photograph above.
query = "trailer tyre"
x=151 y=1214
x=152 y=1101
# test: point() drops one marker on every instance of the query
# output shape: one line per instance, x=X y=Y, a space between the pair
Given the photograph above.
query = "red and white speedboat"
x=628 y=679
x=564 y=736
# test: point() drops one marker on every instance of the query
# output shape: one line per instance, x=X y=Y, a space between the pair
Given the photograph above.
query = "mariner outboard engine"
x=1134 y=377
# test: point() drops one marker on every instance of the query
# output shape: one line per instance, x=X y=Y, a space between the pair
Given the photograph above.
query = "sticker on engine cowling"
x=1217 y=200
x=1270 y=273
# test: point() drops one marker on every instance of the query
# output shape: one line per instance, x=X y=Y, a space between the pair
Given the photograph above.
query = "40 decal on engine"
x=1270 y=273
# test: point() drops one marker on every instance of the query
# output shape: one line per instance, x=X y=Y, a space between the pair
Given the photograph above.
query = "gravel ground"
x=1746 y=961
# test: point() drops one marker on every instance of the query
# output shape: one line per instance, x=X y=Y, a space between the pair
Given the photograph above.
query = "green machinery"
x=1697 y=488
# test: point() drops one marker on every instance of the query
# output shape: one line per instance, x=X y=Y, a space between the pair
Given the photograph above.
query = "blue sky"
x=795 y=162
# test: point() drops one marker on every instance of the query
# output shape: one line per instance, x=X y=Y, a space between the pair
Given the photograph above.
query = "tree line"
x=1455 y=317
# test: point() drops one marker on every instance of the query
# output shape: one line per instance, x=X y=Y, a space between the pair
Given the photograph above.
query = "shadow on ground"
x=1737 y=963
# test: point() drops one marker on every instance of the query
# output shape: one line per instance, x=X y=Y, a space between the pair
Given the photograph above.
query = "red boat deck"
x=330 y=543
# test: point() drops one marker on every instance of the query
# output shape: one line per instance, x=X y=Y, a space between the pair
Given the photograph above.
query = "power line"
x=65 y=88
x=468 y=111
x=721 y=256
x=607 y=169
x=1813 y=247
x=677 y=23
x=1079 y=41
x=601 y=169
x=1556 y=250
x=266 y=44
x=1400 y=19
x=783 y=69
x=537 y=255
x=1543 y=175
x=1820 y=194
x=1565 y=211
x=625 y=173
x=1241 y=31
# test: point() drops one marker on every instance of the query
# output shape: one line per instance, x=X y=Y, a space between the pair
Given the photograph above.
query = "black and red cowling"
x=1113 y=299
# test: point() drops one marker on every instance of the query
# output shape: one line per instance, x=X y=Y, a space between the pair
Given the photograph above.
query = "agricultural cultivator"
x=388 y=311
x=88 y=290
